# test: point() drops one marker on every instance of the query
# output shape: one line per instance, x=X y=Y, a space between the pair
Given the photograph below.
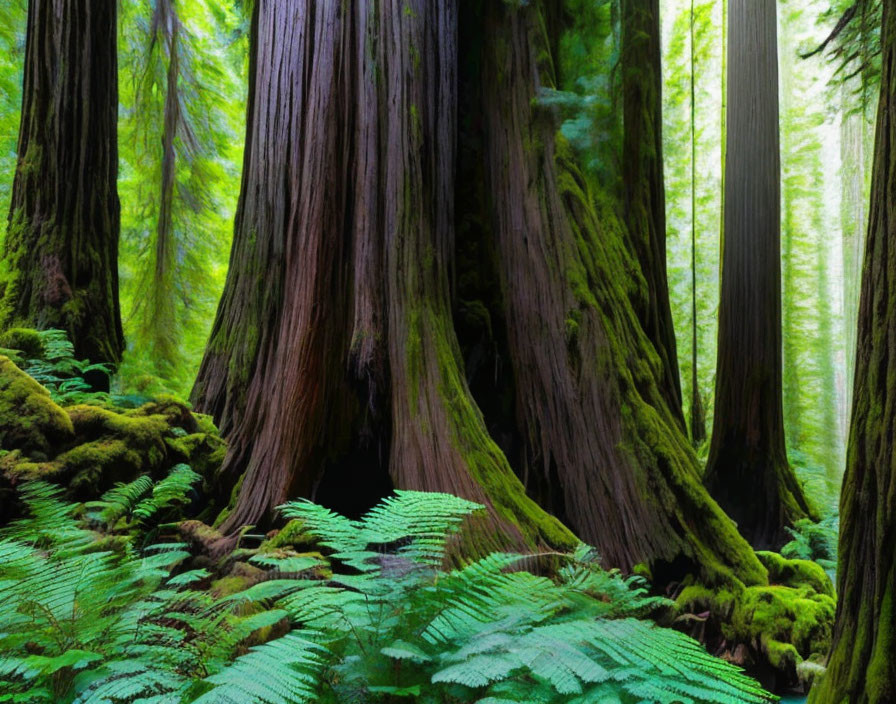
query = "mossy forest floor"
x=65 y=433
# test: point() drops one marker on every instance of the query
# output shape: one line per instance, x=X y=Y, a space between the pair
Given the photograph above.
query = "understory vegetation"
x=99 y=607
x=129 y=597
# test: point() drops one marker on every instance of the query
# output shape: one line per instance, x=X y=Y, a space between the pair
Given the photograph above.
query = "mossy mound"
x=775 y=629
x=30 y=422
x=24 y=341
x=89 y=447
x=796 y=573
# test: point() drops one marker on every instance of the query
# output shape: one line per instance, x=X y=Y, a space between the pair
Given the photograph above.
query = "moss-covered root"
x=783 y=628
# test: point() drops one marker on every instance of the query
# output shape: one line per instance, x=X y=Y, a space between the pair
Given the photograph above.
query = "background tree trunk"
x=61 y=249
x=748 y=472
x=862 y=666
x=644 y=198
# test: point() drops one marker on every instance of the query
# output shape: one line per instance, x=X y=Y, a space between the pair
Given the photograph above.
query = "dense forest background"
x=171 y=279
x=169 y=289
x=382 y=340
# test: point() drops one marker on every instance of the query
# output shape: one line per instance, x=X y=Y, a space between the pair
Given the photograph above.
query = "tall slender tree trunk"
x=60 y=266
x=698 y=415
x=644 y=197
x=853 y=222
x=371 y=204
x=862 y=666
x=159 y=307
x=748 y=472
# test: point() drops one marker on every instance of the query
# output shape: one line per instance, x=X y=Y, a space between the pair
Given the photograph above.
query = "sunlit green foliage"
x=13 y=17
x=813 y=335
x=589 y=56
x=678 y=170
x=182 y=91
x=816 y=309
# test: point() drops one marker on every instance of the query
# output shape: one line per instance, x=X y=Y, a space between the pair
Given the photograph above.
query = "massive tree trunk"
x=350 y=343
x=61 y=249
x=748 y=472
x=336 y=316
x=862 y=667
x=644 y=196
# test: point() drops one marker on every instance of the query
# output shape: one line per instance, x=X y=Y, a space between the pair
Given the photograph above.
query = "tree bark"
x=61 y=249
x=592 y=405
x=644 y=197
x=862 y=665
x=362 y=213
x=592 y=419
x=747 y=471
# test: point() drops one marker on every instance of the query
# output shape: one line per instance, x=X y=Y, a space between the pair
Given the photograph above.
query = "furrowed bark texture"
x=361 y=212
x=644 y=197
x=590 y=393
x=862 y=666
x=61 y=249
x=747 y=471
x=352 y=340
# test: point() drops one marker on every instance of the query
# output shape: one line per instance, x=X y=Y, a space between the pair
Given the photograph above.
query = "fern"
x=814 y=541
x=284 y=671
x=138 y=502
x=62 y=374
x=380 y=619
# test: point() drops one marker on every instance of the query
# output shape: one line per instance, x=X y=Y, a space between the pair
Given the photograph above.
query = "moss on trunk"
x=862 y=666
x=60 y=255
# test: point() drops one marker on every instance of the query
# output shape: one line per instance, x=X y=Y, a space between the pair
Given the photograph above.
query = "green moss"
x=29 y=419
x=778 y=616
x=643 y=570
x=140 y=430
x=231 y=503
x=796 y=573
x=24 y=340
x=291 y=535
x=202 y=451
x=783 y=626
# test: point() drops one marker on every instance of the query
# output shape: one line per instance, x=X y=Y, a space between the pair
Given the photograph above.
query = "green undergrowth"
x=785 y=625
x=327 y=610
x=138 y=467
x=62 y=430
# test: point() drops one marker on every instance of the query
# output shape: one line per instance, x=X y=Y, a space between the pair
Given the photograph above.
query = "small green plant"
x=58 y=370
x=814 y=541
x=137 y=503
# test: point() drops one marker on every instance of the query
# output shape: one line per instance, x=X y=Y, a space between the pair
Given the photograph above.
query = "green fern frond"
x=118 y=501
x=169 y=492
x=285 y=671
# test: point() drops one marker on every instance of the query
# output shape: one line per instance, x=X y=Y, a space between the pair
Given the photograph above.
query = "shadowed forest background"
x=416 y=350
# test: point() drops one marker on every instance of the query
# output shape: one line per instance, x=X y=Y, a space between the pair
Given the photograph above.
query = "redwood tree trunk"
x=362 y=213
x=644 y=196
x=592 y=403
x=862 y=666
x=61 y=249
x=350 y=342
x=748 y=472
